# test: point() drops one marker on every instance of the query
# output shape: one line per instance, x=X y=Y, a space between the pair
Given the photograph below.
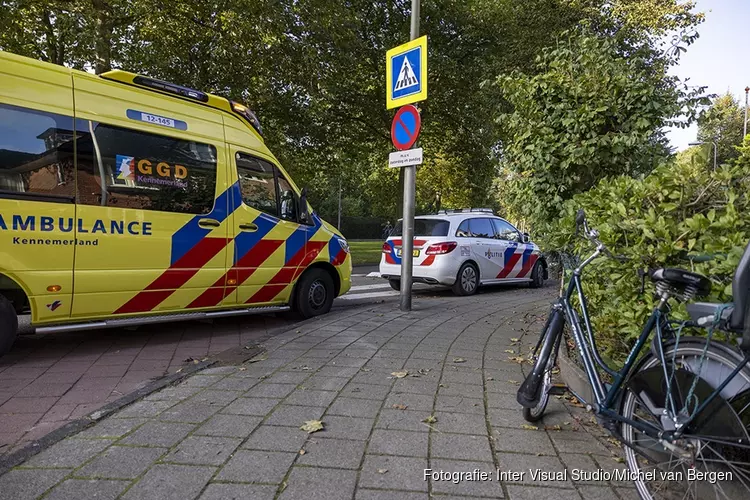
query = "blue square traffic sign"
x=406 y=73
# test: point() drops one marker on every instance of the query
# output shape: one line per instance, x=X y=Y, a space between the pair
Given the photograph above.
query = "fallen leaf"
x=510 y=351
x=400 y=374
x=312 y=426
x=513 y=339
x=364 y=369
x=530 y=427
x=490 y=378
x=299 y=331
x=459 y=360
x=430 y=420
x=619 y=460
x=382 y=471
x=515 y=382
x=552 y=428
x=442 y=385
x=195 y=361
x=243 y=368
x=424 y=371
x=399 y=407
x=302 y=452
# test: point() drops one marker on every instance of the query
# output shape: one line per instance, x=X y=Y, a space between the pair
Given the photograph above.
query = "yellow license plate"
x=415 y=253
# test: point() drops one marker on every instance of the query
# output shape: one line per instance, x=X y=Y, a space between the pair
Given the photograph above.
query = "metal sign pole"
x=410 y=175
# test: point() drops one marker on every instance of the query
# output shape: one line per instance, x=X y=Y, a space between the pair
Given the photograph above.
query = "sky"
x=719 y=59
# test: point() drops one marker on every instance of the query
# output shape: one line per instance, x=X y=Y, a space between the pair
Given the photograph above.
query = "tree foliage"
x=722 y=124
x=589 y=112
x=675 y=217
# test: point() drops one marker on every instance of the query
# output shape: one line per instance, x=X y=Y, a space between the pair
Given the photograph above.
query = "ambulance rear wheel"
x=314 y=294
x=8 y=325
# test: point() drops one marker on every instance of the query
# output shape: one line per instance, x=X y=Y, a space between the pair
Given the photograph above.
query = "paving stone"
x=351 y=407
x=203 y=450
x=403 y=443
x=577 y=442
x=502 y=400
x=363 y=494
x=173 y=394
x=340 y=427
x=226 y=491
x=379 y=378
x=144 y=409
x=171 y=482
x=404 y=473
x=331 y=370
x=460 y=423
x=366 y=391
x=189 y=412
x=314 y=483
x=528 y=493
x=338 y=453
x=461 y=446
x=325 y=383
x=99 y=489
x=506 y=418
x=458 y=389
x=253 y=466
x=155 y=433
x=505 y=383
x=23 y=484
x=473 y=377
x=528 y=441
x=214 y=397
x=518 y=462
x=251 y=406
x=600 y=492
x=236 y=384
x=269 y=390
x=459 y=404
x=295 y=378
x=488 y=488
x=294 y=416
x=628 y=493
x=68 y=453
x=310 y=397
x=581 y=462
x=412 y=401
x=121 y=462
x=405 y=420
x=411 y=385
x=272 y=438
x=111 y=428
x=201 y=380
x=229 y=426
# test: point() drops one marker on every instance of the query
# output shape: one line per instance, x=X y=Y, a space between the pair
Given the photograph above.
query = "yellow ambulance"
x=127 y=200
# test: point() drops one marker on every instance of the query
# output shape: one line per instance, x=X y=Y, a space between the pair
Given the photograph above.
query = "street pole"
x=744 y=128
x=410 y=175
x=339 y=224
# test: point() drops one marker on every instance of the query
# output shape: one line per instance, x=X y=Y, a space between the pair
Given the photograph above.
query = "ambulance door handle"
x=207 y=223
x=249 y=227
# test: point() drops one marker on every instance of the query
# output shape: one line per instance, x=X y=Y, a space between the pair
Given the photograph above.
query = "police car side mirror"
x=304 y=214
x=525 y=238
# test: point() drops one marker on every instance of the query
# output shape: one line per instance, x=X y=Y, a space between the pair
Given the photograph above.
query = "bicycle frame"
x=605 y=399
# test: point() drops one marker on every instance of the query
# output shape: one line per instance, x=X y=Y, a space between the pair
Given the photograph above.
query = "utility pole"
x=744 y=128
x=410 y=179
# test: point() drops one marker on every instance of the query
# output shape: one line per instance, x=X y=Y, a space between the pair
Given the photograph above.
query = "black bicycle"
x=681 y=409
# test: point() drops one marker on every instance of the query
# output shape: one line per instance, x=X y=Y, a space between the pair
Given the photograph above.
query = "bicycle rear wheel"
x=712 y=459
x=533 y=394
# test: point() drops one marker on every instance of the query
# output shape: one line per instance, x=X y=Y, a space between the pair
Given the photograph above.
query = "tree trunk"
x=103 y=43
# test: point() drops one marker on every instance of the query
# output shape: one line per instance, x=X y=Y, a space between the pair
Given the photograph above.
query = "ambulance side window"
x=289 y=201
x=144 y=171
x=257 y=183
x=36 y=155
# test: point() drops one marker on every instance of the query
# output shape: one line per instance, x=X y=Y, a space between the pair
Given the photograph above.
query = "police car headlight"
x=344 y=245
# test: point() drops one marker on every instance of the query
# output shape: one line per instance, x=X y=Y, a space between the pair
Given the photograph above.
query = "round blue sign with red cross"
x=405 y=127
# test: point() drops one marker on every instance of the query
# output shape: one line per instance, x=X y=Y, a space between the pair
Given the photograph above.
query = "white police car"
x=464 y=249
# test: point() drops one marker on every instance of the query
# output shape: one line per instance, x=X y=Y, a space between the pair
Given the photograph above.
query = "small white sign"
x=405 y=158
x=159 y=120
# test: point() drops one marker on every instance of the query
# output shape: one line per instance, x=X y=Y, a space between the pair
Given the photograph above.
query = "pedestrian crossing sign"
x=406 y=73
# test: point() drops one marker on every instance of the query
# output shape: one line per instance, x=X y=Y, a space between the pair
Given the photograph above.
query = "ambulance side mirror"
x=304 y=214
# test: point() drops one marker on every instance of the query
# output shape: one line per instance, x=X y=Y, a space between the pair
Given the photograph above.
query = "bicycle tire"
x=708 y=450
x=533 y=394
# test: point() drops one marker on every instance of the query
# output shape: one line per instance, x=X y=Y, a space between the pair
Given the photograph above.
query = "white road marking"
x=373 y=274
x=356 y=296
x=370 y=287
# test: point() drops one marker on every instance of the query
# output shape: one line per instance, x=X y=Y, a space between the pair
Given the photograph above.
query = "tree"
x=722 y=124
x=590 y=111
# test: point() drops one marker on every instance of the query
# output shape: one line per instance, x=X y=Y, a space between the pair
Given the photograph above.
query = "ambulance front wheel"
x=314 y=294
x=8 y=325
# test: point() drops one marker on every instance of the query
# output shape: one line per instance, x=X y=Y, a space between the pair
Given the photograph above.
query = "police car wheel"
x=467 y=280
x=314 y=295
x=537 y=276
x=8 y=325
x=395 y=284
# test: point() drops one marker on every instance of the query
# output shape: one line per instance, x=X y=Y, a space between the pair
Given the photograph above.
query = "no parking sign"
x=405 y=127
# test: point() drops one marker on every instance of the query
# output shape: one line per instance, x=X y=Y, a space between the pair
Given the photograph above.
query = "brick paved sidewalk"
x=233 y=432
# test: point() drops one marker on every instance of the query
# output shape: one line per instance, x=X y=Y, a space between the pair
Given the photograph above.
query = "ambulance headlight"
x=344 y=245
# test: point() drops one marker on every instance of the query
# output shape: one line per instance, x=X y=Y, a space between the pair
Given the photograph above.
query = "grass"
x=365 y=251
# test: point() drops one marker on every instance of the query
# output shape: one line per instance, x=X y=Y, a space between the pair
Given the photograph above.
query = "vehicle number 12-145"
x=158 y=120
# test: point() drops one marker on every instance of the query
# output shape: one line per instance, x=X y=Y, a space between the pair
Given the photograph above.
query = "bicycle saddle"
x=681 y=279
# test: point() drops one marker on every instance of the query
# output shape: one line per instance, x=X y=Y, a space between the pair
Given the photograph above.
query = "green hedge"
x=679 y=212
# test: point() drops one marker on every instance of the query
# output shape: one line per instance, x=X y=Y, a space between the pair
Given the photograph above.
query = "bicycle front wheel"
x=712 y=458
x=533 y=394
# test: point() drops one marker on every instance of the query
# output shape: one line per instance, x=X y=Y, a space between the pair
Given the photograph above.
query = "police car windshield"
x=425 y=227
